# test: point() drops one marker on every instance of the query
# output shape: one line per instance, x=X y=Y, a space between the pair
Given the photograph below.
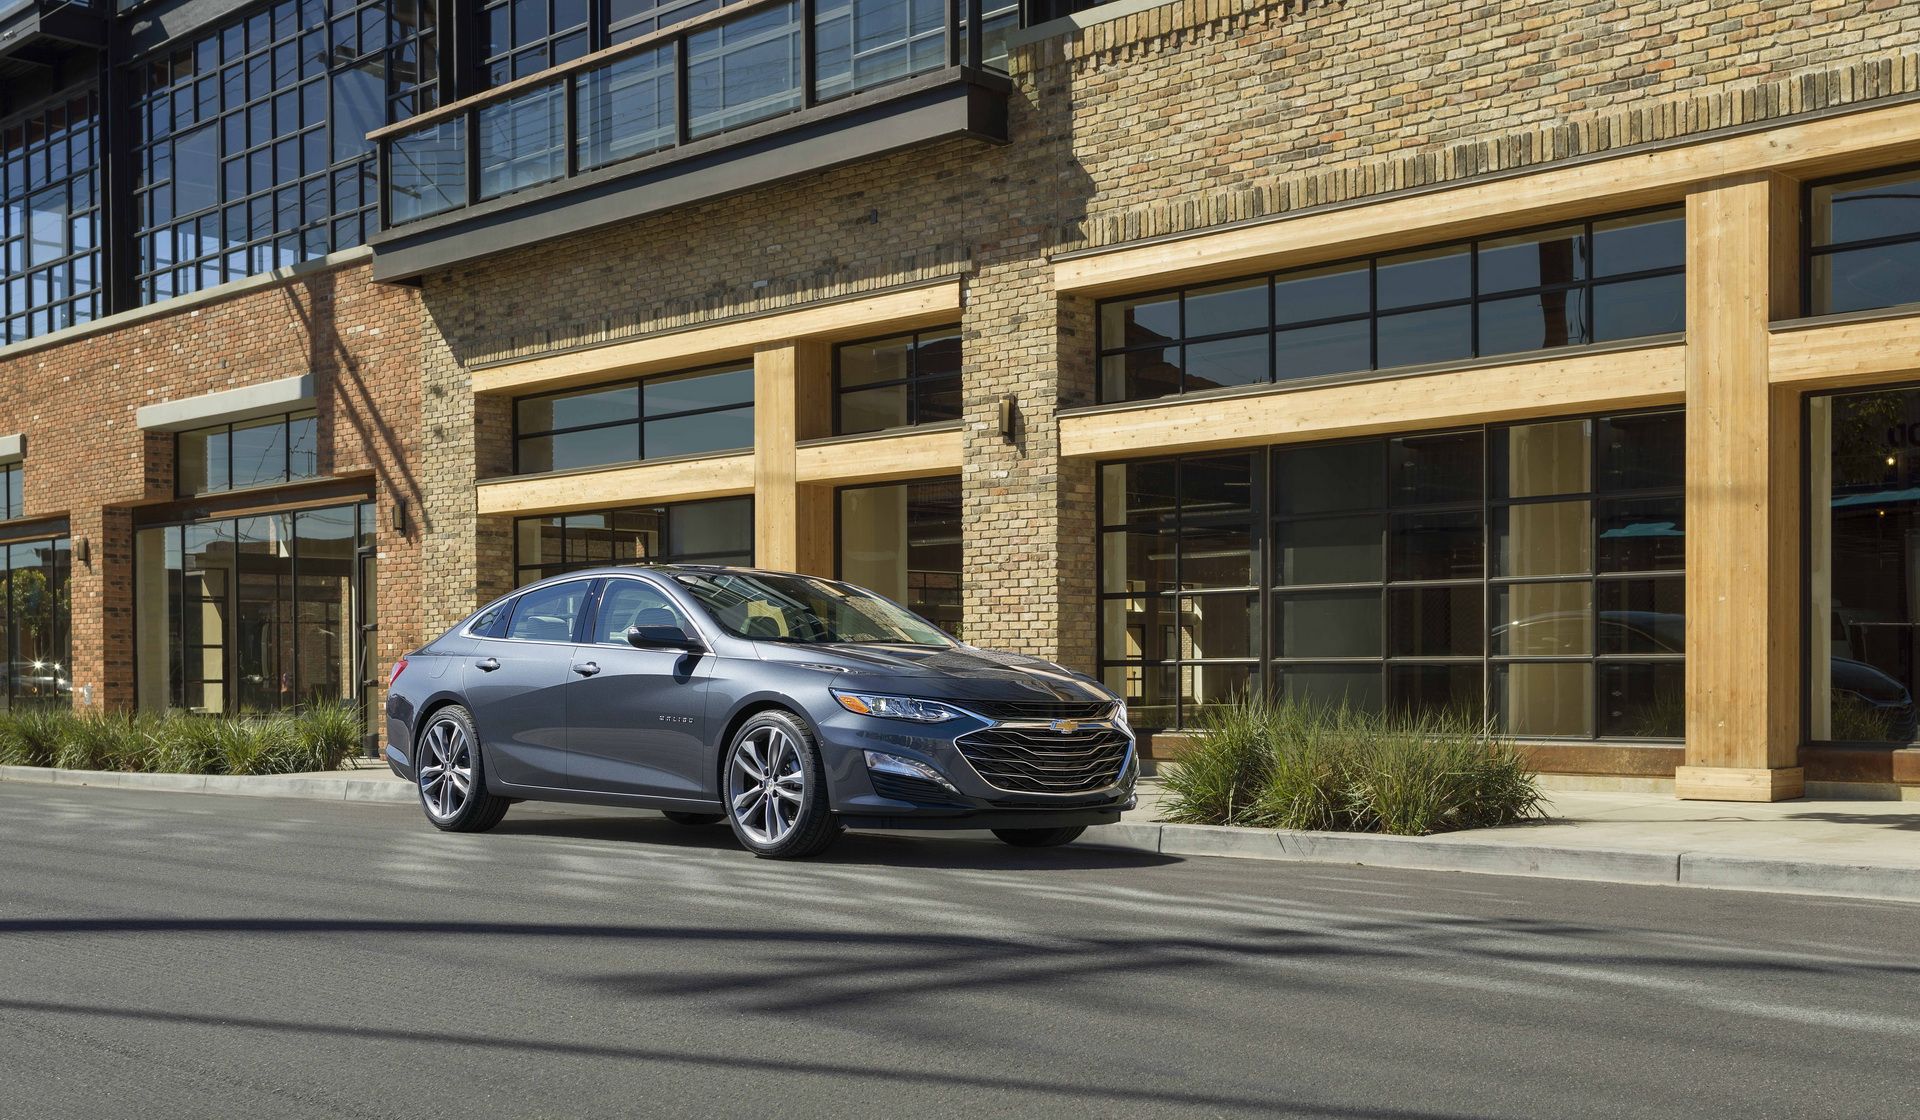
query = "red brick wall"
x=89 y=462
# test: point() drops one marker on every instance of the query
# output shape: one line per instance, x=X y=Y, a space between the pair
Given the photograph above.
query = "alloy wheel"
x=766 y=785
x=446 y=769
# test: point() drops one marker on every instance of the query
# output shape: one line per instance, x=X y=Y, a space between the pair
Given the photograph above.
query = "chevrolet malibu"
x=789 y=706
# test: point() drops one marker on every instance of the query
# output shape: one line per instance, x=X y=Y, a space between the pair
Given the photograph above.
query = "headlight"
x=895 y=707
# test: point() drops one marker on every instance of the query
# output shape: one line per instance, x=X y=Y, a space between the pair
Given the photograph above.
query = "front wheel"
x=1039 y=837
x=446 y=768
x=776 y=789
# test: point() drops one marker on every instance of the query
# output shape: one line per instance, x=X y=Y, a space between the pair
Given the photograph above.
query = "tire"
x=446 y=740
x=1039 y=837
x=694 y=820
x=774 y=787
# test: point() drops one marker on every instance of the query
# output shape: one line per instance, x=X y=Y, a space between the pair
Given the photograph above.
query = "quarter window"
x=1596 y=281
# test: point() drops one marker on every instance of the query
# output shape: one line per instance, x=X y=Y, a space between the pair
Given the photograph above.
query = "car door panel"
x=637 y=724
x=516 y=685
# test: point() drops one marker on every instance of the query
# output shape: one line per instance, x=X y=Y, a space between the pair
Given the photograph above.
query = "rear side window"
x=548 y=614
x=489 y=622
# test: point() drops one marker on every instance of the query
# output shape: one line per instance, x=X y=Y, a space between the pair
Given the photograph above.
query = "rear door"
x=637 y=718
x=516 y=684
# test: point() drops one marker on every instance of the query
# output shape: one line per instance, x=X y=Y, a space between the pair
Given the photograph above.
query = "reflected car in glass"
x=790 y=707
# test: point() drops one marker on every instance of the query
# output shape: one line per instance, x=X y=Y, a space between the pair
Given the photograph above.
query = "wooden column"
x=792 y=523
x=1743 y=498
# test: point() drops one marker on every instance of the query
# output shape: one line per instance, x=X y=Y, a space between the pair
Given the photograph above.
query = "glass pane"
x=359 y=107
x=522 y=141
x=699 y=434
x=1543 y=620
x=1642 y=535
x=1227 y=362
x=936 y=400
x=1146 y=321
x=1216 y=556
x=547 y=614
x=1138 y=493
x=721 y=532
x=887 y=359
x=156 y=622
x=625 y=109
x=1327 y=348
x=1429 y=470
x=1441 y=691
x=538 y=541
x=1641 y=243
x=635 y=534
x=1330 y=550
x=1543 y=699
x=1240 y=306
x=572 y=410
x=324 y=623
x=1863 y=209
x=1207 y=686
x=1544 y=539
x=591 y=448
x=871 y=410
x=259 y=452
x=201 y=462
x=1642 y=450
x=663 y=396
x=1136 y=563
x=263 y=614
x=744 y=70
x=1435 y=546
x=1639 y=308
x=1216 y=484
x=1355 y=687
x=863 y=43
x=1151 y=693
x=427 y=171
x=1643 y=616
x=1321 y=293
x=1861 y=279
x=1327 y=477
x=207 y=581
x=1441 y=334
x=1425 y=276
x=13 y=502
x=1533 y=322
x=1436 y=622
x=629 y=603
x=1533 y=260
x=1140 y=374
x=1216 y=626
x=1327 y=624
x=1643 y=701
x=1535 y=460
x=873 y=539
x=1139 y=629
x=303 y=446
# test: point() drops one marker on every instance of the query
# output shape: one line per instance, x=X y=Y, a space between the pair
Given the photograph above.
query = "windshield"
x=805 y=611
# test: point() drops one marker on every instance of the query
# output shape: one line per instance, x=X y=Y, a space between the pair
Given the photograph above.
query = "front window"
x=711 y=532
x=261 y=452
x=35 y=629
x=805 y=611
x=698 y=413
x=1864 y=243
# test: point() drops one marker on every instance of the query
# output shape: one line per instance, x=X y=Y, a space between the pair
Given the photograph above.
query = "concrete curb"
x=345 y=787
x=1428 y=853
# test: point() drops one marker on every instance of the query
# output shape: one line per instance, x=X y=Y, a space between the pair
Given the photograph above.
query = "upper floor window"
x=1863 y=246
x=250 y=143
x=893 y=382
x=249 y=453
x=50 y=223
x=679 y=414
x=12 y=503
x=719 y=531
x=1595 y=281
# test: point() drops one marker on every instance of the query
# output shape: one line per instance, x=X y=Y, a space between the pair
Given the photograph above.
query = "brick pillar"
x=1743 y=498
x=100 y=610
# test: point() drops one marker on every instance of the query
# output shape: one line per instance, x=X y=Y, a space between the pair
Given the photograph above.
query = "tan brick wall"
x=87 y=460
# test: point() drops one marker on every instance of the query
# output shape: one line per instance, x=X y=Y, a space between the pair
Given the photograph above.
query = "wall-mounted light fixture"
x=83 y=551
x=399 y=520
x=1009 y=416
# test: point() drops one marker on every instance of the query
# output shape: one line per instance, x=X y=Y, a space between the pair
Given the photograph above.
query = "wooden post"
x=1743 y=498
x=792 y=523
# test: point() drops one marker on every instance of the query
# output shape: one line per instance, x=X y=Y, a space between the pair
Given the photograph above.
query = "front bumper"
x=864 y=799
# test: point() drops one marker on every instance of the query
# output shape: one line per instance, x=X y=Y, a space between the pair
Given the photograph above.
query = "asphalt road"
x=169 y=955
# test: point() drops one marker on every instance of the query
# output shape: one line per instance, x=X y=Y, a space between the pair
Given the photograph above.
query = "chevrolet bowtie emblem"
x=1065 y=726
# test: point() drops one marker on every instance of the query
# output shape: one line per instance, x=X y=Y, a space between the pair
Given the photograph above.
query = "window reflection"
x=710 y=532
x=247 y=453
x=694 y=413
x=903 y=541
x=1864 y=249
x=36 y=623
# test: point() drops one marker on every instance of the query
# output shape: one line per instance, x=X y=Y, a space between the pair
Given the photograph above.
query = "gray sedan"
x=789 y=706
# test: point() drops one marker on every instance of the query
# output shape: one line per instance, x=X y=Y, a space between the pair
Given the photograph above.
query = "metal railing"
x=750 y=61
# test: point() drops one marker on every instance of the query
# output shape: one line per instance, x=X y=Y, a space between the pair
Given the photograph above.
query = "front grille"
x=1036 y=760
x=919 y=791
x=1038 y=709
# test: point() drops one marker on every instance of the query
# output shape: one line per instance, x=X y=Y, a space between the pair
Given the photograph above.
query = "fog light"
x=908 y=768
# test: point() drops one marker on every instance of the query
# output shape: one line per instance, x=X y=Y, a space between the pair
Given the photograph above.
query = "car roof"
x=666 y=569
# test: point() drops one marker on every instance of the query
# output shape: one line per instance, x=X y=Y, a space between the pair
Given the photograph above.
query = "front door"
x=637 y=718
x=516 y=685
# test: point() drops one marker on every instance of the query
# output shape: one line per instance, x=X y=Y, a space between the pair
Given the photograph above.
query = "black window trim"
x=1809 y=250
x=913 y=379
x=640 y=418
x=285 y=420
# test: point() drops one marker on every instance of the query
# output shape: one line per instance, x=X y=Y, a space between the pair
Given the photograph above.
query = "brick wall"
x=87 y=460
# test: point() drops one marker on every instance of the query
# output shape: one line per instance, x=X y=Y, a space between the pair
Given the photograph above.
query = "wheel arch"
x=747 y=710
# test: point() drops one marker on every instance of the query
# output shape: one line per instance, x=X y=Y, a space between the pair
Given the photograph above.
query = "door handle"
x=487 y=664
x=587 y=668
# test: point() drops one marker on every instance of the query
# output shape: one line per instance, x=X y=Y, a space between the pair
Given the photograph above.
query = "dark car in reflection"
x=1884 y=701
x=789 y=706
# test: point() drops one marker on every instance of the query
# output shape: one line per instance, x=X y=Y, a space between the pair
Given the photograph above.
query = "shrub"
x=181 y=742
x=1292 y=766
x=31 y=736
x=104 y=741
x=329 y=735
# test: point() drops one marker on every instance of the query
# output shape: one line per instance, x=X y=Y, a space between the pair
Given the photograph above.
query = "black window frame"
x=285 y=420
x=527 y=572
x=1809 y=250
x=912 y=382
x=1472 y=300
x=78 y=271
x=640 y=418
x=839 y=543
x=12 y=478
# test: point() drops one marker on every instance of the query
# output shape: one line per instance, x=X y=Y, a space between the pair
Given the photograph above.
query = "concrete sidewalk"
x=1868 y=849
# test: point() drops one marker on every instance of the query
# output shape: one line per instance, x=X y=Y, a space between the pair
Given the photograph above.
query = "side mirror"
x=663 y=637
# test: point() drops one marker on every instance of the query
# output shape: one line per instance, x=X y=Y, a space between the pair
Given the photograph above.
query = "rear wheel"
x=446 y=769
x=694 y=820
x=776 y=789
x=1039 y=837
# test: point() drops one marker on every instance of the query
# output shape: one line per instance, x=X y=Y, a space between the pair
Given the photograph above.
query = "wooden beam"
x=1829 y=146
x=1545 y=387
x=730 y=340
x=1742 y=499
x=776 y=512
x=1846 y=355
x=850 y=462
x=681 y=480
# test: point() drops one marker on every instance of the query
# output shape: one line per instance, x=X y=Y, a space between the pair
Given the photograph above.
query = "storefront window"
x=903 y=541
x=1527 y=573
x=1863 y=564
x=35 y=614
x=259 y=452
x=253 y=613
x=1864 y=243
x=714 y=532
x=695 y=413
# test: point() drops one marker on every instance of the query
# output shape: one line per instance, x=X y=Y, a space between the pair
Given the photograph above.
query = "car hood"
x=940 y=673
